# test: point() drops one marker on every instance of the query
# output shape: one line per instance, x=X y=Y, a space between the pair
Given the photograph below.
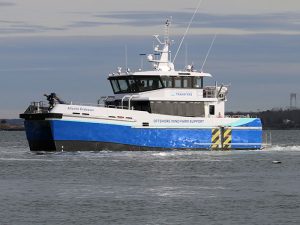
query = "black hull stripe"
x=53 y=146
x=92 y=146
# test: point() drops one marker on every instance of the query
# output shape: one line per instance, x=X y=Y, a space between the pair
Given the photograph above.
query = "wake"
x=282 y=148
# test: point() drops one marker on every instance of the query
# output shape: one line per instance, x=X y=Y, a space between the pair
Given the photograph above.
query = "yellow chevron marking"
x=227 y=132
x=215 y=139
x=215 y=146
x=227 y=139
x=214 y=131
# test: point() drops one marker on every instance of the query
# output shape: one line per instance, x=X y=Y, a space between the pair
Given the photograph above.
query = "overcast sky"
x=70 y=46
x=139 y=17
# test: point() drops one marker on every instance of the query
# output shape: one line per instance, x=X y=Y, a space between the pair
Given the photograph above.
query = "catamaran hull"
x=64 y=135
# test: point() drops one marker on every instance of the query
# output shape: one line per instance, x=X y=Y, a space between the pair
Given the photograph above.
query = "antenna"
x=208 y=52
x=186 y=54
x=142 y=61
x=187 y=29
x=126 y=61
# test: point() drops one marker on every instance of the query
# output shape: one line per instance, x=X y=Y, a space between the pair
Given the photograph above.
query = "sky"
x=69 y=47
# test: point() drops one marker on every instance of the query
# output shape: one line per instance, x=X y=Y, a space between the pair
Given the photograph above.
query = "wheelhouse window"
x=115 y=86
x=133 y=84
x=177 y=82
x=123 y=85
x=133 y=87
x=167 y=82
x=198 y=82
x=187 y=82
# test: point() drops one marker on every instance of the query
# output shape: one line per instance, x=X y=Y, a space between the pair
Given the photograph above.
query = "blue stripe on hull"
x=162 y=138
x=245 y=139
x=59 y=130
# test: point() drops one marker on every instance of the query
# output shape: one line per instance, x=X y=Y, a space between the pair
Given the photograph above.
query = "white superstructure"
x=167 y=86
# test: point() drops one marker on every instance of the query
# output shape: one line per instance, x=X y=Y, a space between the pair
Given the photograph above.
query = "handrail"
x=122 y=101
x=37 y=107
x=129 y=100
x=215 y=91
x=105 y=99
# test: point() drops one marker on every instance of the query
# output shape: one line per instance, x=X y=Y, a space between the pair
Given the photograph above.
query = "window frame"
x=149 y=79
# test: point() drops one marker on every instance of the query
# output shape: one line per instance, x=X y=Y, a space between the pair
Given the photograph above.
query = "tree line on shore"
x=276 y=118
x=11 y=125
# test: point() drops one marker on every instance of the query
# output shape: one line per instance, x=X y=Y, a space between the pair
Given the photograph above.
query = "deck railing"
x=37 y=107
x=210 y=92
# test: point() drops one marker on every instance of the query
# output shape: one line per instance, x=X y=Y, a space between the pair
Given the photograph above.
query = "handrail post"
x=37 y=107
x=129 y=100
x=122 y=101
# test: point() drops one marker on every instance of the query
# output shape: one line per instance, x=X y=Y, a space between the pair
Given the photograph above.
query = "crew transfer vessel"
x=160 y=109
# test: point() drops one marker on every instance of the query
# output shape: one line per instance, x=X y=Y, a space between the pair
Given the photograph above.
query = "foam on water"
x=282 y=148
x=24 y=159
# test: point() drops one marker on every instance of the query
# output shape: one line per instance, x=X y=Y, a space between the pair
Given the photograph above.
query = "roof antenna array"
x=167 y=29
x=187 y=29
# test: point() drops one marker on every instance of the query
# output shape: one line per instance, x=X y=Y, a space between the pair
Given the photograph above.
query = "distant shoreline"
x=11 y=125
x=11 y=128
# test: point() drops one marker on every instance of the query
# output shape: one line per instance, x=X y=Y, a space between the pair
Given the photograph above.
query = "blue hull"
x=69 y=135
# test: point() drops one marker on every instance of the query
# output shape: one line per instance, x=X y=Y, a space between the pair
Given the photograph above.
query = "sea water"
x=173 y=187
